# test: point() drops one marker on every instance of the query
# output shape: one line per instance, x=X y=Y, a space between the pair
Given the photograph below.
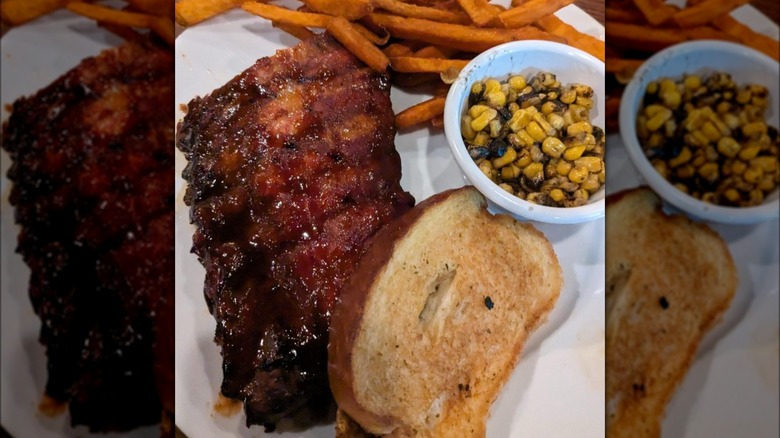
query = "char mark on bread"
x=291 y=169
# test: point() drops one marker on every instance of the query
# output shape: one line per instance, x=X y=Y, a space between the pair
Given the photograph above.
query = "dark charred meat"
x=93 y=189
x=292 y=168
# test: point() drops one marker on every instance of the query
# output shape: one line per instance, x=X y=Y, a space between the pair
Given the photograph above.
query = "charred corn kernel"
x=573 y=153
x=536 y=153
x=548 y=107
x=731 y=121
x=723 y=107
x=593 y=164
x=509 y=156
x=732 y=195
x=491 y=86
x=567 y=118
x=477 y=110
x=563 y=167
x=685 y=172
x=579 y=127
x=578 y=174
x=505 y=88
x=552 y=95
x=478 y=87
x=759 y=101
x=641 y=127
x=603 y=175
x=535 y=131
x=547 y=79
x=510 y=172
x=495 y=128
x=766 y=163
x=754 y=128
x=708 y=171
x=584 y=102
x=546 y=127
x=524 y=160
x=553 y=147
x=743 y=96
x=656 y=139
x=728 y=147
x=549 y=170
x=581 y=194
x=671 y=98
x=465 y=128
x=557 y=195
x=699 y=159
x=692 y=82
x=766 y=184
x=657 y=120
x=480 y=122
x=667 y=85
x=694 y=120
x=579 y=113
x=534 y=171
x=519 y=120
x=698 y=138
x=481 y=139
x=709 y=130
x=750 y=152
x=526 y=139
x=681 y=187
x=710 y=198
x=514 y=140
x=506 y=187
x=513 y=107
x=738 y=167
x=683 y=157
x=589 y=139
x=756 y=197
x=517 y=82
x=568 y=96
x=496 y=99
x=555 y=121
x=591 y=184
x=661 y=167
x=652 y=87
x=753 y=174
x=722 y=127
x=670 y=127
x=486 y=167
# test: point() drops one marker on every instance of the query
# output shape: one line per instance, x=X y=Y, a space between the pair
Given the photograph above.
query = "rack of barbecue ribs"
x=291 y=170
x=93 y=189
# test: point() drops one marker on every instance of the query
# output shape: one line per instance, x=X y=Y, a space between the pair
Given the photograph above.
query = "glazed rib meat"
x=93 y=189
x=292 y=168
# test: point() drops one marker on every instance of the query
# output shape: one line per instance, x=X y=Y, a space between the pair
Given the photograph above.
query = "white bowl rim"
x=513 y=204
x=631 y=96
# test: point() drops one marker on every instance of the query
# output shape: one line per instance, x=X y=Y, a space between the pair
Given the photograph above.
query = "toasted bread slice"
x=430 y=325
x=669 y=280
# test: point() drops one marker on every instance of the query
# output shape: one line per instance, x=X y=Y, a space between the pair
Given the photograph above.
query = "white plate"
x=33 y=56
x=557 y=388
x=732 y=388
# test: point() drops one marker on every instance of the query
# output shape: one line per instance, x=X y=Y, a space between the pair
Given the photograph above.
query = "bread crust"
x=347 y=323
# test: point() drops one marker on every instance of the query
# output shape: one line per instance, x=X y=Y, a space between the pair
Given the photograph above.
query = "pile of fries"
x=638 y=28
x=423 y=42
x=155 y=15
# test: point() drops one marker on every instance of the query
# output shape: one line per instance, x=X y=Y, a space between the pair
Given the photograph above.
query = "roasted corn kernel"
x=534 y=138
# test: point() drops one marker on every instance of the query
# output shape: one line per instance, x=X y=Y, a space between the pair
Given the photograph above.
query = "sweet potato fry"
x=355 y=42
x=412 y=80
x=371 y=36
x=705 y=11
x=656 y=12
x=191 y=12
x=163 y=27
x=574 y=38
x=624 y=15
x=434 y=52
x=349 y=9
x=707 y=33
x=531 y=11
x=620 y=65
x=409 y=64
x=464 y=38
x=438 y=121
x=420 y=113
x=16 y=12
x=112 y=16
x=479 y=11
x=287 y=16
x=163 y=8
x=632 y=36
x=299 y=32
x=397 y=49
x=747 y=36
x=413 y=11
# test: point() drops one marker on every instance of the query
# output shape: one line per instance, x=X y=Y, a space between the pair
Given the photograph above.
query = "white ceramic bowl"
x=700 y=57
x=570 y=65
